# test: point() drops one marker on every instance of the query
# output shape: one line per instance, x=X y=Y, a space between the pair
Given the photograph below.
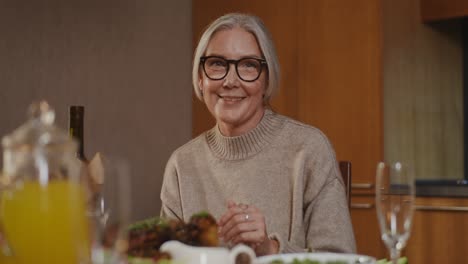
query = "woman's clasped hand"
x=245 y=224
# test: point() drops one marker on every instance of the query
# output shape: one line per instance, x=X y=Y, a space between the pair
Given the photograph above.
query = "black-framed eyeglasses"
x=248 y=69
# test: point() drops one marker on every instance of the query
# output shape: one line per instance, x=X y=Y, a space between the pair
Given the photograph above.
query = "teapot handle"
x=239 y=249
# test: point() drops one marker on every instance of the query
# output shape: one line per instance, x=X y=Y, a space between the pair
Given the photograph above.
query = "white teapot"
x=205 y=255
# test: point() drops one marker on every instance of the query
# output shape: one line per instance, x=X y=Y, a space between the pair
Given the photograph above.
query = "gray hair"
x=253 y=25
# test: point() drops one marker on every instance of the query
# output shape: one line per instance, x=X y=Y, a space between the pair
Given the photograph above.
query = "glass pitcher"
x=42 y=199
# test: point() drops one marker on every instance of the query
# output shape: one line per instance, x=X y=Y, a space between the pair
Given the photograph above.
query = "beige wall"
x=423 y=91
x=128 y=62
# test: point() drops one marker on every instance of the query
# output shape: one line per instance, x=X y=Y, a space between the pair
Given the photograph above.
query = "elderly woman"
x=272 y=182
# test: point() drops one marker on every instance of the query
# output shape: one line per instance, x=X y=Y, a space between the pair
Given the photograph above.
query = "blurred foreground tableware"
x=182 y=253
x=42 y=208
x=394 y=195
x=110 y=214
x=315 y=258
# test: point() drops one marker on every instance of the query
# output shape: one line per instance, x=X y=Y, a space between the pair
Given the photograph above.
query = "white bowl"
x=321 y=257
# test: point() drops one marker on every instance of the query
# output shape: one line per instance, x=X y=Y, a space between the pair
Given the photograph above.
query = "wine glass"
x=395 y=194
x=111 y=205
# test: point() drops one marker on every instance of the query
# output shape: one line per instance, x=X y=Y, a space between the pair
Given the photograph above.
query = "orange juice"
x=46 y=224
x=6 y=260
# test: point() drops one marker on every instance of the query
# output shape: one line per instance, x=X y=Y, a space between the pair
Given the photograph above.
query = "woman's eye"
x=217 y=63
x=249 y=64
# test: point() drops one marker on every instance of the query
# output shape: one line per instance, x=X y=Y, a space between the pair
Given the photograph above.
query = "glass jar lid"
x=38 y=131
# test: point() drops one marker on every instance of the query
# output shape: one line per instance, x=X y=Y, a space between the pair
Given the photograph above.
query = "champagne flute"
x=395 y=194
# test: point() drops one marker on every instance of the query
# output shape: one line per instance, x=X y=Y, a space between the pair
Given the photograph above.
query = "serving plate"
x=322 y=258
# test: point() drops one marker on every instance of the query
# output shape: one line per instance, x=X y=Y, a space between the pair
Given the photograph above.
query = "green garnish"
x=201 y=214
x=277 y=262
x=148 y=223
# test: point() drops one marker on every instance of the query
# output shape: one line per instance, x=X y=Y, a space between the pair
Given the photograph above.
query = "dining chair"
x=345 y=168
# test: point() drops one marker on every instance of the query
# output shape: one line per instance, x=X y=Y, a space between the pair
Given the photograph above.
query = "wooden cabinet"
x=432 y=10
x=366 y=228
x=440 y=231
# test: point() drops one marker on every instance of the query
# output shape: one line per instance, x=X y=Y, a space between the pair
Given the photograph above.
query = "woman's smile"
x=231 y=99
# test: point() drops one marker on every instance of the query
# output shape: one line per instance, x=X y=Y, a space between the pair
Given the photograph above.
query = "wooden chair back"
x=345 y=168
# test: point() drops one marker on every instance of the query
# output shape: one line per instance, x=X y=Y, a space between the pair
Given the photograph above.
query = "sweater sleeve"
x=324 y=207
x=170 y=193
x=285 y=246
x=326 y=213
x=329 y=223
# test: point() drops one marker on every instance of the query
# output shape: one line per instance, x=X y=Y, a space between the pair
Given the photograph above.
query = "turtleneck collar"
x=248 y=144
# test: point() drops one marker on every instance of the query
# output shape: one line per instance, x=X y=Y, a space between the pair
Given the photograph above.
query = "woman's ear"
x=200 y=80
x=200 y=86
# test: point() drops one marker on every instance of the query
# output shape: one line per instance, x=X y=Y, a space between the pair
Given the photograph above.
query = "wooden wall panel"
x=280 y=18
x=340 y=78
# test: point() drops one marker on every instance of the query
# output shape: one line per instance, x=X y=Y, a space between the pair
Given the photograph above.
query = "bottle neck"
x=76 y=129
x=77 y=134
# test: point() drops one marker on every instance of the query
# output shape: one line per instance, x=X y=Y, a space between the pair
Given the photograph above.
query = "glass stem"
x=394 y=255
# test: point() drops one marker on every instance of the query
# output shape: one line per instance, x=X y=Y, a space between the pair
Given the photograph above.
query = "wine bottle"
x=76 y=129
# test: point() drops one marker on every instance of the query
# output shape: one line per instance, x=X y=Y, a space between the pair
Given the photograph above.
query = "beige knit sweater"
x=285 y=168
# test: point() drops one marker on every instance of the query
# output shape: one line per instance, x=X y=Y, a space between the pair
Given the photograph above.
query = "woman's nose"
x=231 y=80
